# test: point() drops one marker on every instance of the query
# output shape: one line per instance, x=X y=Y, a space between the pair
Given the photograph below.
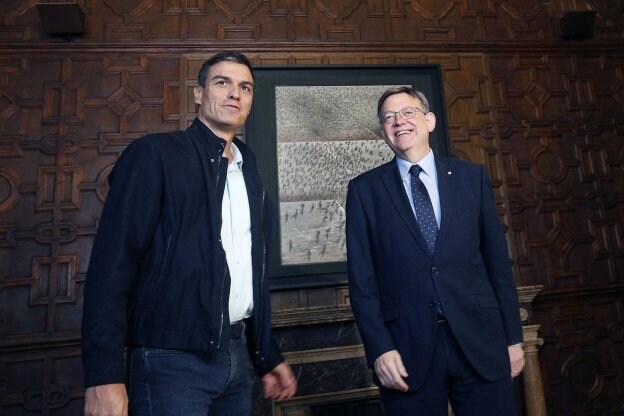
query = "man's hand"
x=106 y=400
x=391 y=371
x=279 y=383
x=516 y=359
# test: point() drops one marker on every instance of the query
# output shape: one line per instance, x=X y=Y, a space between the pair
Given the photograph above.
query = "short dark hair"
x=229 y=56
x=402 y=90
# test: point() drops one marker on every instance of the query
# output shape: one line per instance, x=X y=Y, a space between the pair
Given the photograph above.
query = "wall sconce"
x=63 y=19
x=579 y=24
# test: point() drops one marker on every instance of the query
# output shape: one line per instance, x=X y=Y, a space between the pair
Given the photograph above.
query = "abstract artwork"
x=318 y=153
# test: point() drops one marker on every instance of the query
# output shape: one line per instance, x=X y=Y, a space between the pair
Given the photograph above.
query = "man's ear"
x=197 y=92
x=430 y=118
x=383 y=133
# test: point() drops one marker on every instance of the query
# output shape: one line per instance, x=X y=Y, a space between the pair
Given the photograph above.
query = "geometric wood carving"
x=9 y=190
x=53 y=280
x=545 y=116
x=58 y=187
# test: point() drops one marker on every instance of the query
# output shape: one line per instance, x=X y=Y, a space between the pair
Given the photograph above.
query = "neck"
x=227 y=152
x=415 y=156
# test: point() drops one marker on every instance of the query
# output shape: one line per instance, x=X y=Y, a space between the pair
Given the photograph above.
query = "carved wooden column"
x=532 y=375
x=534 y=402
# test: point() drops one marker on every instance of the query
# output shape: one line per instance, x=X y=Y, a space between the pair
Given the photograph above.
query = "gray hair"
x=402 y=90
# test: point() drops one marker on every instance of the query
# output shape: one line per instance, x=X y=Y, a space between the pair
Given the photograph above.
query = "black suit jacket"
x=394 y=280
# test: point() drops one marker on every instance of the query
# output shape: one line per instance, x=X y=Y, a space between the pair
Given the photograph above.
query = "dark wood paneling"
x=317 y=20
x=545 y=115
x=583 y=352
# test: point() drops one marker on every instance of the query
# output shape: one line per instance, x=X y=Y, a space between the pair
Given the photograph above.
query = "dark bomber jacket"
x=158 y=275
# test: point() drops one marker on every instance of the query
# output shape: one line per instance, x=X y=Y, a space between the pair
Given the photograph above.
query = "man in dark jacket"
x=177 y=272
x=430 y=281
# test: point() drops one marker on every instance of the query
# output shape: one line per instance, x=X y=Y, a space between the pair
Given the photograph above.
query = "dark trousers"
x=452 y=378
x=184 y=383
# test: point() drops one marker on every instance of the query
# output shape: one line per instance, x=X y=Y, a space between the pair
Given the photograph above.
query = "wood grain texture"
x=545 y=115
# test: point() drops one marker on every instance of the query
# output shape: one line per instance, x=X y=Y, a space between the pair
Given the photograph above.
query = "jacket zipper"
x=222 y=314
x=261 y=294
x=225 y=268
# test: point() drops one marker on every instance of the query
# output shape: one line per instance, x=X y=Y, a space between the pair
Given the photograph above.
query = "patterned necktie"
x=424 y=209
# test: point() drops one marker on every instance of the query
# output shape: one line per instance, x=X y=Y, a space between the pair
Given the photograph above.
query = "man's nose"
x=398 y=118
x=234 y=92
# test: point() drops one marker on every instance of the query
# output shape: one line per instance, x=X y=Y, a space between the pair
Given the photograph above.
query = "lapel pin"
x=449 y=172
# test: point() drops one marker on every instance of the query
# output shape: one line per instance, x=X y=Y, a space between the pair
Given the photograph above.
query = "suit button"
x=435 y=270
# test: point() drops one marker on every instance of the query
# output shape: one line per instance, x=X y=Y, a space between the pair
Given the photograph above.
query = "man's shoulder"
x=458 y=164
x=165 y=138
x=160 y=143
x=153 y=148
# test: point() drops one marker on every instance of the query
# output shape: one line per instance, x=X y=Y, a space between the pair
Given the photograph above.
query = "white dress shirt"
x=236 y=239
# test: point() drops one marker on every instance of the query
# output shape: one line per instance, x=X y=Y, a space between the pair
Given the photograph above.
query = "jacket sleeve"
x=496 y=257
x=363 y=285
x=266 y=353
x=130 y=214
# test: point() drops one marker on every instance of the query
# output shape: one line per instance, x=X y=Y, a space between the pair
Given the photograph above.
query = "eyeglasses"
x=408 y=112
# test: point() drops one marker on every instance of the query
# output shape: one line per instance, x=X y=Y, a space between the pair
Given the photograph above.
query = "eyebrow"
x=223 y=77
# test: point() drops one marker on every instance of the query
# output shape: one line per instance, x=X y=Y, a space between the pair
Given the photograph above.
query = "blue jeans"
x=185 y=383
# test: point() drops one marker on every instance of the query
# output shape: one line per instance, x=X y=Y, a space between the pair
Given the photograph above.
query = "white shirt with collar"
x=236 y=239
x=428 y=176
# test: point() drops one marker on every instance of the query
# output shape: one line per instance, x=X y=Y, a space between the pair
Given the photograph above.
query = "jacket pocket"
x=155 y=287
x=150 y=283
x=163 y=260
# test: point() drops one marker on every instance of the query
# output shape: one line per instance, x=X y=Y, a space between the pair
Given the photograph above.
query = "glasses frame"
x=390 y=116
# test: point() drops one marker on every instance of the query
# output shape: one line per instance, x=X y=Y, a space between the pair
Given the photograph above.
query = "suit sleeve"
x=130 y=214
x=363 y=284
x=496 y=257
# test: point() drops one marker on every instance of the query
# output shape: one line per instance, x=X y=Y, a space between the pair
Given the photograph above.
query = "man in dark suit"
x=430 y=281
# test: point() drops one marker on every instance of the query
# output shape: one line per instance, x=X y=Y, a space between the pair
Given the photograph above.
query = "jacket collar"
x=205 y=133
x=391 y=178
x=446 y=190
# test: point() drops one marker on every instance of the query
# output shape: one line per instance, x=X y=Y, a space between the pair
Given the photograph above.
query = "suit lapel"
x=446 y=183
x=394 y=185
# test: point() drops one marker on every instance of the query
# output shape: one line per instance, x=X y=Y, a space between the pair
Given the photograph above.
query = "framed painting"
x=313 y=128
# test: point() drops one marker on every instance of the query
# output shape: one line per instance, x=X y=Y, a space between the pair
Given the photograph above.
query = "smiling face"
x=408 y=138
x=225 y=100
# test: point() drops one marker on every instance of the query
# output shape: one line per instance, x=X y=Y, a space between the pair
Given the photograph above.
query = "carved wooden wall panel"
x=61 y=133
x=545 y=115
x=64 y=121
x=317 y=20
x=42 y=382
x=584 y=345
